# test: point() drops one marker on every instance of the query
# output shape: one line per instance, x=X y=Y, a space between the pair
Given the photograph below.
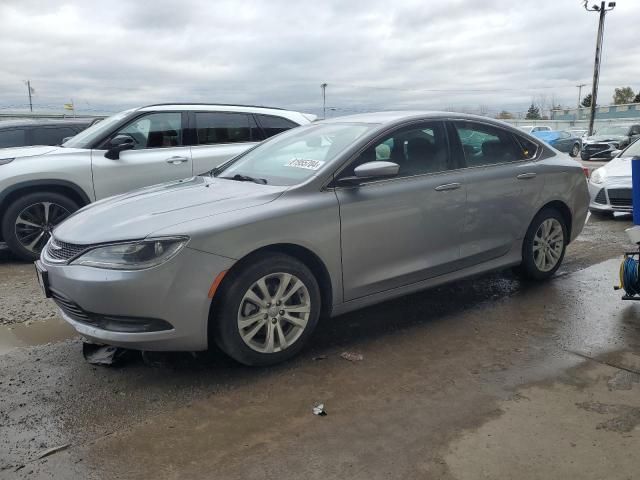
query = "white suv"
x=40 y=186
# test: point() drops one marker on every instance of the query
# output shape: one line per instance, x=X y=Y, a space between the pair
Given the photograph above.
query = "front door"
x=158 y=156
x=402 y=230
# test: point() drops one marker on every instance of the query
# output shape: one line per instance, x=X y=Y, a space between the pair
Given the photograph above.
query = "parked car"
x=564 y=141
x=607 y=139
x=610 y=185
x=534 y=128
x=578 y=132
x=40 y=186
x=22 y=133
x=323 y=219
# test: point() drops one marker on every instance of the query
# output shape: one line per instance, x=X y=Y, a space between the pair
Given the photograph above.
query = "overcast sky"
x=456 y=54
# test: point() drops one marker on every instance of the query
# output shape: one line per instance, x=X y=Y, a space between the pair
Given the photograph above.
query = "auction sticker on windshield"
x=302 y=163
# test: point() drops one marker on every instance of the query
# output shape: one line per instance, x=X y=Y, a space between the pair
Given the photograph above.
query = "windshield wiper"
x=247 y=178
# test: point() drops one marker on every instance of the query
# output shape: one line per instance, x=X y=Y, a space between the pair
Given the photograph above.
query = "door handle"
x=448 y=186
x=177 y=160
x=526 y=176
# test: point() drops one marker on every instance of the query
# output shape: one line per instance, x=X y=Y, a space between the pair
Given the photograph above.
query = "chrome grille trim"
x=62 y=252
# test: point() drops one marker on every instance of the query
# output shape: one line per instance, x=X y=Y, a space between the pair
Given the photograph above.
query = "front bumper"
x=161 y=308
x=611 y=196
x=600 y=150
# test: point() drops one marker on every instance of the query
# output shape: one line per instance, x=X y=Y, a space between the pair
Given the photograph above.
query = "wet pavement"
x=487 y=378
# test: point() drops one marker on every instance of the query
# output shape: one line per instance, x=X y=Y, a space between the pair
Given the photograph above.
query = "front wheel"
x=544 y=245
x=575 y=151
x=29 y=220
x=267 y=310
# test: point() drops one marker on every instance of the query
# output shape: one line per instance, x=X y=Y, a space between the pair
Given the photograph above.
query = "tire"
x=534 y=266
x=234 y=306
x=575 y=151
x=32 y=208
x=584 y=156
x=601 y=213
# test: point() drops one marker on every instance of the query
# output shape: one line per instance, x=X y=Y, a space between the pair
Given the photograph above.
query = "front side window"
x=417 y=150
x=488 y=145
x=272 y=125
x=155 y=130
x=215 y=127
x=12 y=138
x=96 y=132
x=296 y=155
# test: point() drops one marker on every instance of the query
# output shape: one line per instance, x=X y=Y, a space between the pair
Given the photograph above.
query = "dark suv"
x=23 y=133
x=607 y=139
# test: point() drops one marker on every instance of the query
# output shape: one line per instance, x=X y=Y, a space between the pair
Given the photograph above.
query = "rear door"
x=159 y=155
x=220 y=136
x=503 y=187
x=402 y=230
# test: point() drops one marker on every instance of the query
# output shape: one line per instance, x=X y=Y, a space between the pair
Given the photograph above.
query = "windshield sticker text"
x=302 y=163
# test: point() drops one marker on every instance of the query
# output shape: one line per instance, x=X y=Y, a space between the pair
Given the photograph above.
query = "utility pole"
x=29 y=90
x=324 y=100
x=580 y=93
x=596 y=65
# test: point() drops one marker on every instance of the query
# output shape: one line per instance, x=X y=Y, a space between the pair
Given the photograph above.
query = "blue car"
x=562 y=140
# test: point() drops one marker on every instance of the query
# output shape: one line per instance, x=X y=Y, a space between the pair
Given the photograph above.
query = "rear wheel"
x=267 y=311
x=29 y=220
x=544 y=245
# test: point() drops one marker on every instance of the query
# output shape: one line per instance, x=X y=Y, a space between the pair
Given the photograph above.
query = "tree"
x=504 y=115
x=623 y=95
x=586 y=101
x=637 y=98
x=533 y=113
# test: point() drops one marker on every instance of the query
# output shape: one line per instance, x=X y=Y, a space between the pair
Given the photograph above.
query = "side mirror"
x=66 y=139
x=118 y=144
x=371 y=171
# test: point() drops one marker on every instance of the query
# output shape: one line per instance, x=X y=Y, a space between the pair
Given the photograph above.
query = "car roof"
x=224 y=107
x=47 y=122
x=395 y=117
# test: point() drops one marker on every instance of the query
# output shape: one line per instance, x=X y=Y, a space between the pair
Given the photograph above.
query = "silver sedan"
x=317 y=221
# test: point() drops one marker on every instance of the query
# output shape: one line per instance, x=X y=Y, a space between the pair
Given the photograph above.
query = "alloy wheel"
x=548 y=243
x=274 y=312
x=34 y=224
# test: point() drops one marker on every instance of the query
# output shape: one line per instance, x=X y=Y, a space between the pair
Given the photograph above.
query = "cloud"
x=373 y=54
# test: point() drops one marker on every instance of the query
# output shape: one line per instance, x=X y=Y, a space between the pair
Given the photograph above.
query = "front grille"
x=601 y=197
x=620 y=197
x=597 y=147
x=69 y=307
x=58 y=251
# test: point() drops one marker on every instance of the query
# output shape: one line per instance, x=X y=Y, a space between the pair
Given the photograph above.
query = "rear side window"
x=274 y=125
x=51 y=135
x=217 y=127
x=12 y=138
x=526 y=148
x=487 y=145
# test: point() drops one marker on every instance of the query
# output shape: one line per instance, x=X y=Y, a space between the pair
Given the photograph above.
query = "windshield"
x=87 y=137
x=294 y=156
x=612 y=131
x=633 y=150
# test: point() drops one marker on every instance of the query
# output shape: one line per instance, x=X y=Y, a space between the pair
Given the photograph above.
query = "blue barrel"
x=635 y=183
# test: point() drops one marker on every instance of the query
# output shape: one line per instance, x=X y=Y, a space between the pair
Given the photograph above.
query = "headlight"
x=4 y=161
x=133 y=255
x=598 y=176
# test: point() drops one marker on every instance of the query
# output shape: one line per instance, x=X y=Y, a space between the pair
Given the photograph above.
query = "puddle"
x=34 y=333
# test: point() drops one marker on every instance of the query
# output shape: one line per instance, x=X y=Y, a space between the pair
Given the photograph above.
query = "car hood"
x=137 y=214
x=619 y=167
x=604 y=138
x=34 y=151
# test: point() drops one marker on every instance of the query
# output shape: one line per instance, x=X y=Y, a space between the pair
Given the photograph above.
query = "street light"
x=596 y=66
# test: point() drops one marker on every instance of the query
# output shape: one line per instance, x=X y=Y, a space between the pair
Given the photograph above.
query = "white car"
x=42 y=185
x=610 y=185
x=534 y=128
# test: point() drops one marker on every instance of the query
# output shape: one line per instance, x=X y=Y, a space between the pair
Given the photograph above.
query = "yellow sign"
x=68 y=106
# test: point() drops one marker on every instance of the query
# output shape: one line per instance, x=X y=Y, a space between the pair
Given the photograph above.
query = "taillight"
x=586 y=171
